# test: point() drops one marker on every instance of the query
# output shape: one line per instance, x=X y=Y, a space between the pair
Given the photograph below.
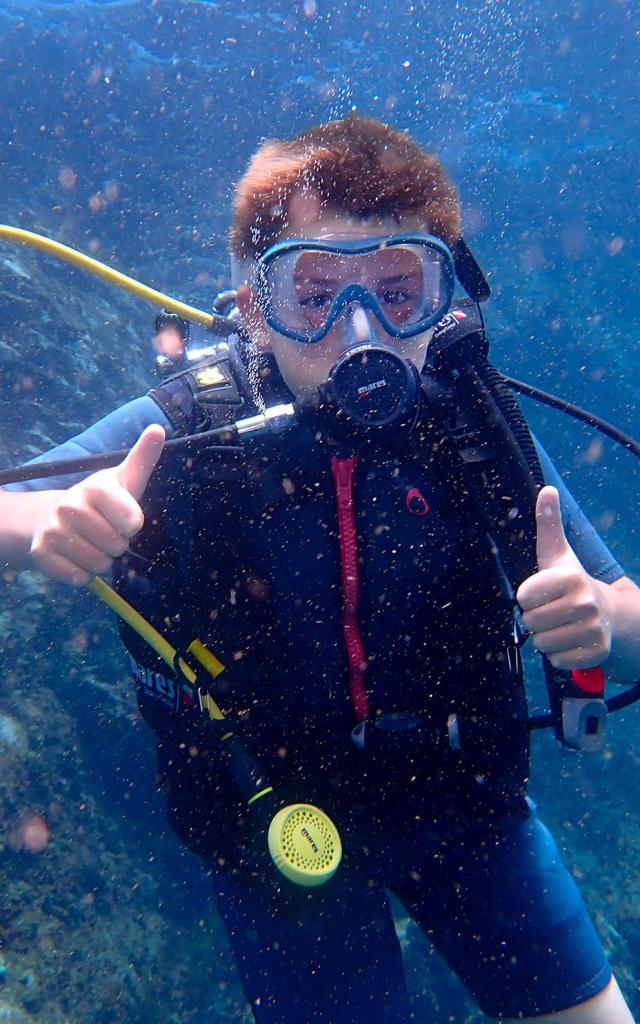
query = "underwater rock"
x=12 y=1015
x=15 y=267
x=13 y=737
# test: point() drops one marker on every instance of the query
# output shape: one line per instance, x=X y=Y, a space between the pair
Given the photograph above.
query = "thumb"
x=551 y=543
x=134 y=472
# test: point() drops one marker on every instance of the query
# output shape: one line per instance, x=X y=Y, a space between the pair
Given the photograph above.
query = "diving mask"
x=406 y=281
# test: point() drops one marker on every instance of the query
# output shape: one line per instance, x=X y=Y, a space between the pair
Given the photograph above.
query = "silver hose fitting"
x=273 y=420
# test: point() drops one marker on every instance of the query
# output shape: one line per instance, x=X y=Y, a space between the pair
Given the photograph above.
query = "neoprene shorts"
x=496 y=903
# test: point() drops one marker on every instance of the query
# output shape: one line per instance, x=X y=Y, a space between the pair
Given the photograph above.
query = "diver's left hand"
x=566 y=610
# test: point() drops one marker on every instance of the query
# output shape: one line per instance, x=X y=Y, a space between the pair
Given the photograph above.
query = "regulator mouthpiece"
x=373 y=387
x=304 y=844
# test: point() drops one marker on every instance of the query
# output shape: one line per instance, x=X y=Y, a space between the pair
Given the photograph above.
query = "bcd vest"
x=318 y=620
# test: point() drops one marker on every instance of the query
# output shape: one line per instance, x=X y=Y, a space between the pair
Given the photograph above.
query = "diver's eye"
x=394 y=297
x=316 y=302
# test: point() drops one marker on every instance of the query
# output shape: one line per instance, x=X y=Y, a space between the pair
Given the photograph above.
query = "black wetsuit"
x=421 y=629
x=402 y=618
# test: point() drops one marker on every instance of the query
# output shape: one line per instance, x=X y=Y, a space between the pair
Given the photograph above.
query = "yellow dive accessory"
x=303 y=842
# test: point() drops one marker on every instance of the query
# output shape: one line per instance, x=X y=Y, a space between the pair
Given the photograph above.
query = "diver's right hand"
x=92 y=523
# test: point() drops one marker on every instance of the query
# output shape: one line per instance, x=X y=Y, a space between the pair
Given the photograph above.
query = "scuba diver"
x=359 y=574
x=171 y=334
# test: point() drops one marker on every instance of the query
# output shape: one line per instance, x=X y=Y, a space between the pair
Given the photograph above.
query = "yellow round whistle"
x=304 y=844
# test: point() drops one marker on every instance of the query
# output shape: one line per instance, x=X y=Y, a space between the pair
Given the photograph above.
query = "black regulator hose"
x=497 y=386
x=590 y=418
x=498 y=460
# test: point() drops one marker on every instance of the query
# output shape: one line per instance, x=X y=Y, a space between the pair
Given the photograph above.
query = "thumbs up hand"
x=566 y=610
x=90 y=524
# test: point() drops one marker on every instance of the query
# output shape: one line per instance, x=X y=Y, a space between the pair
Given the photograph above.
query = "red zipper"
x=343 y=471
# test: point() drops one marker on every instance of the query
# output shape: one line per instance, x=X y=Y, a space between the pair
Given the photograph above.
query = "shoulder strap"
x=497 y=463
x=486 y=434
x=211 y=393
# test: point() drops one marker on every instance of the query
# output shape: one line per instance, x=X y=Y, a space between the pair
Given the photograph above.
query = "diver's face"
x=305 y=367
x=169 y=342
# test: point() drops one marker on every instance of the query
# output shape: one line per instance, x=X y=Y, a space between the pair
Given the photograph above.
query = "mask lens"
x=301 y=287
x=405 y=281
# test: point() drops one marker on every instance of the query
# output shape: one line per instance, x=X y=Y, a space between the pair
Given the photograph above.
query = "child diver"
x=350 y=593
x=171 y=334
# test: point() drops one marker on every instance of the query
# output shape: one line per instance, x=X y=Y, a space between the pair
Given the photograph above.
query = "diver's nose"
x=360 y=326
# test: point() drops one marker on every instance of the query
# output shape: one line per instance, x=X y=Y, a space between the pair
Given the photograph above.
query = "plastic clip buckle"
x=584 y=723
x=358 y=735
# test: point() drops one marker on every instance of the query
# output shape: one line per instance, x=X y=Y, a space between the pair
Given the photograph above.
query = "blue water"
x=124 y=127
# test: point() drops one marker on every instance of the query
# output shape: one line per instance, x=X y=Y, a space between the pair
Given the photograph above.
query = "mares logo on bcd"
x=154 y=684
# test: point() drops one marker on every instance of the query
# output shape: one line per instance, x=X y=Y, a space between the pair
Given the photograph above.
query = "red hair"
x=358 y=165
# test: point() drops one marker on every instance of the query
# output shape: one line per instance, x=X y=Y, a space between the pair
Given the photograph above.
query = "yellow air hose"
x=160 y=644
x=84 y=262
x=303 y=841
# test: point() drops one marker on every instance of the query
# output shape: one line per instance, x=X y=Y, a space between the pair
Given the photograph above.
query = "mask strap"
x=468 y=272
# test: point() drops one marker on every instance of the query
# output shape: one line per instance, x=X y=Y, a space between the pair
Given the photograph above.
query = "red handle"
x=589 y=680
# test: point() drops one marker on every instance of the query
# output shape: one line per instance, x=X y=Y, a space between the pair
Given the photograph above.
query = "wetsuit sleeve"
x=592 y=551
x=119 y=429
